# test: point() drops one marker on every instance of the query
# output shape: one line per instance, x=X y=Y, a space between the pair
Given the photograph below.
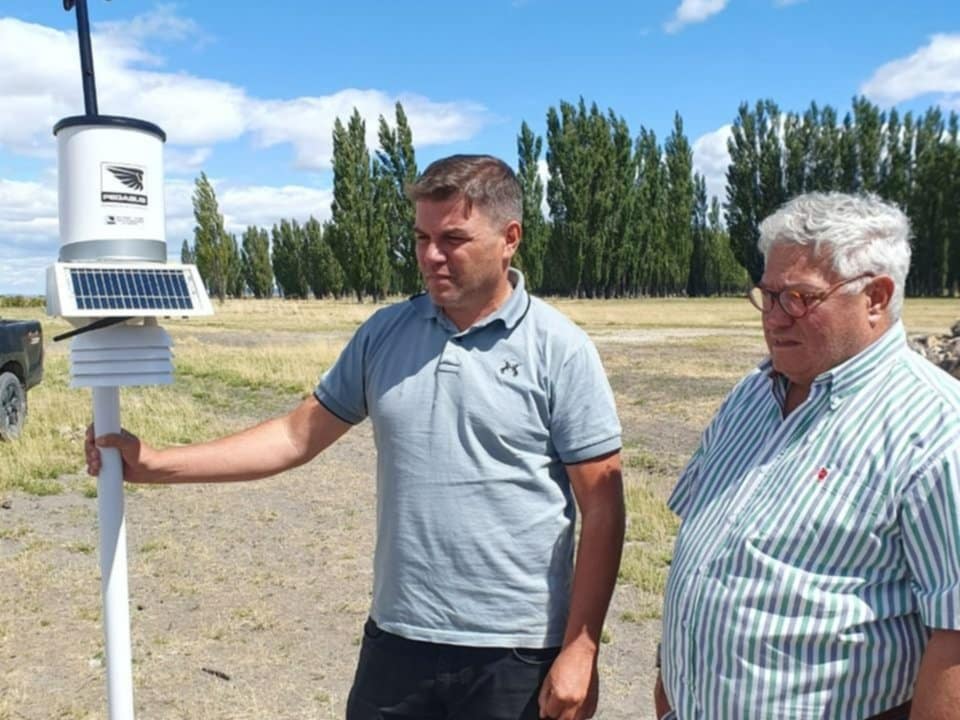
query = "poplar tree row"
x=913 y=161
x=628 y=216
x=365 y=249
x=625 y=215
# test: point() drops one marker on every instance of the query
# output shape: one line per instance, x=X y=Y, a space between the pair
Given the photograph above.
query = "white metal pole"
x=113 y=558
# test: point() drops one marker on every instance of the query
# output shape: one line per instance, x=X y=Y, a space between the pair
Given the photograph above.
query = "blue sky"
x=248 y=93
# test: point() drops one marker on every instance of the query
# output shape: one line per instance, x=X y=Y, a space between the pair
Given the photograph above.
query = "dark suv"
x=21 y=367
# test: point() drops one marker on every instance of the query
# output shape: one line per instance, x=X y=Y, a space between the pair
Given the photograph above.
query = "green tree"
x=235 y=279
x=743 y=206
x=289 y=259
x=398 y=162
x=798 y=134
x=755 y=179
x=681 y=199
x=725 y=276
x=187 y=256
x=255 y=260
x=378 y=232
x=849 y=165
x=772 y=190
x=324 y=274
x=698 y=282
x=358 y=234
x=620 y=226
x=216 y=251
x=868 y=133
x=589 y=177
x=824 y=163
x=650 y=271
x=897 y=158
x=952 y=209
x=928 y=208
x=530 y=257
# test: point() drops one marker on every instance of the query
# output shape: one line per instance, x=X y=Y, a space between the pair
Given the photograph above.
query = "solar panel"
x=125 y=289
x=130 y=289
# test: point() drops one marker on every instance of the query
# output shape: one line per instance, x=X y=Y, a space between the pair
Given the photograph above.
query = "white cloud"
x=29 y=235
x=160 y=23
x=297 y=121
x=37 y=88
x=24 y=275
x=264 y=205
x=693 y=11
x=543 y=170
x=711 y=159
x=243 y=205
x=178 y=210
x=40 y=84
x=934 y=68
x=28 y=212
x=29 y=228
x=184 y=161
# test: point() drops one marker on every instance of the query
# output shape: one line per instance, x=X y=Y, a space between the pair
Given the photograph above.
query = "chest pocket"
x=507 y=400
x=826 y=520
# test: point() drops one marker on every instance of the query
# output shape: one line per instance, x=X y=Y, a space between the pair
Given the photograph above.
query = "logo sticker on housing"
x=122 y=183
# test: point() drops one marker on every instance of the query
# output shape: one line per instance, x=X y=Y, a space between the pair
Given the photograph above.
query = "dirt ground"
x=247 y=601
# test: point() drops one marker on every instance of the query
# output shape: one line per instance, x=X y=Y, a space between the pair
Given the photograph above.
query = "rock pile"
x=942 y=350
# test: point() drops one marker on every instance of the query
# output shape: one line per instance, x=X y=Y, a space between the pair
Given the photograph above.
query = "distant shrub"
x=22 y=301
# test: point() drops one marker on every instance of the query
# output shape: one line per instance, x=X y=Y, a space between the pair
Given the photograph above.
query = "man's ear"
x=879 y=293
x=513 y=234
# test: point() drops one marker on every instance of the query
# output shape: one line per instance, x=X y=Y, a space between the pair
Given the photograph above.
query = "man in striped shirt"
x=816 y=573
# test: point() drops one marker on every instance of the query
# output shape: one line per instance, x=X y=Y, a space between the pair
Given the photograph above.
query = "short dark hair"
x=482 y=180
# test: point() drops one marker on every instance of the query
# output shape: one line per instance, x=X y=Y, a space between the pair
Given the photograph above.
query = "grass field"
x=670 y=363
x=253 y=357
x=253 y=354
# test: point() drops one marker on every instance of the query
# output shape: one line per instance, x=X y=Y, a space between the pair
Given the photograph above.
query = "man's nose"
x=777 y=317
x=431 y=253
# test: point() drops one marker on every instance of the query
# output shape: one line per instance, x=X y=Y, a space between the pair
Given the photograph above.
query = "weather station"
x=112 y=283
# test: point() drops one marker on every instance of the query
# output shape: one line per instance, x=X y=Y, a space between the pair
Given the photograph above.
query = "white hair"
x=856 y=233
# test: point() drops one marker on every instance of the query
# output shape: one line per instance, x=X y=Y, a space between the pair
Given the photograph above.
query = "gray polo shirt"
x=475 y=515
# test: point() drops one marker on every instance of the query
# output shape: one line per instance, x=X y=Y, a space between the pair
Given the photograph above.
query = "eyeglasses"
x=794 y=303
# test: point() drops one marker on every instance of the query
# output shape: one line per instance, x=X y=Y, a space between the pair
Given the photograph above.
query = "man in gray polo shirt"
x=492 y=415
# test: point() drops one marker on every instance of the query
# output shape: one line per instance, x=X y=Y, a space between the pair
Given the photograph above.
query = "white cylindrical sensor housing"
x=110 y=189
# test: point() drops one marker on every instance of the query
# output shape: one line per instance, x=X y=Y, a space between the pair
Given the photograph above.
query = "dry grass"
x=714 y=313
x=256 y=354
x=218 y=386
x=270 y=585
x=305 y=316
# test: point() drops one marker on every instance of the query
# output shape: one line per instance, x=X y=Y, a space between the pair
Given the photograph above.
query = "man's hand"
x=133 y=453
x=571 y=688
x=261 y=451
x=661 y=704
x=937 y=692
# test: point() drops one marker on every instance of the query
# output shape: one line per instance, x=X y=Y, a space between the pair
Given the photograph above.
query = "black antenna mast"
x=86 y=55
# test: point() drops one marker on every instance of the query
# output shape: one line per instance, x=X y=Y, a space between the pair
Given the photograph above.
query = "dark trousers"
x=406 y=679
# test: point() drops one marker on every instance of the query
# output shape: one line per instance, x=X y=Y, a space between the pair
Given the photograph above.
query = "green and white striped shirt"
x=816 y=550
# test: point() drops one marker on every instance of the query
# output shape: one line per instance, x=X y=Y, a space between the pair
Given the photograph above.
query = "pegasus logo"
x=509 y=367
x=131 y=177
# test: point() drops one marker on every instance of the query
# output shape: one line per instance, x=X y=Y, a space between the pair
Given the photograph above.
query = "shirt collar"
x=510 y=313
x=853 y=373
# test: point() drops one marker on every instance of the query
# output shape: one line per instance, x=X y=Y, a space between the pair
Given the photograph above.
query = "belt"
x=900 y=712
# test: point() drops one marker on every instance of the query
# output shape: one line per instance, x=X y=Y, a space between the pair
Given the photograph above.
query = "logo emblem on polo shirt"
x=509 y=367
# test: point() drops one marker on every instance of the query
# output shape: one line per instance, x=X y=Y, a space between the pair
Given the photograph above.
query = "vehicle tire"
x=13 y=406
